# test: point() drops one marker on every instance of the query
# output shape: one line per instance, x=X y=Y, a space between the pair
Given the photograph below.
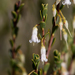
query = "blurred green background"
x=30 y=16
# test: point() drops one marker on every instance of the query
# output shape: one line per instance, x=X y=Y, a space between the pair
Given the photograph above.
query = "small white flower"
x=34 y=37
x=54 y=11
x=74 y=23
x=65 y=36
x=61 y=25
x=66 y=25
x=43 y=54
x=66 y=2
x=74 y=1
x=57 y=2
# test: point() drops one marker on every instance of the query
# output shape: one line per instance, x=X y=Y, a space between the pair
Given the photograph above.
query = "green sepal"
x=56 y=58
x=20 y=7
x=61 y=6
x=42 y=24
x=46 y=67
x=54 y=29
x=11 y=42
x=14 y=14
x=54 y=39
x=18 y=48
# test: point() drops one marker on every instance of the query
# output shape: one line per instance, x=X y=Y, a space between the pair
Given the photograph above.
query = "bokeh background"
x=30 y=16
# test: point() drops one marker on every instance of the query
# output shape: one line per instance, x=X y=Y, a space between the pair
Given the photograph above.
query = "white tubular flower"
x=54 y=11
x=57 y=2
x=43 y=54
x=34 y=36
x=74 y=23
x=66 y=25
x=61 y=27
x=66 y=2
x=74 y=1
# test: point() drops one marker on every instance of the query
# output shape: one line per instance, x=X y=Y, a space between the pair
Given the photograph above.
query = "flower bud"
x=54 y=11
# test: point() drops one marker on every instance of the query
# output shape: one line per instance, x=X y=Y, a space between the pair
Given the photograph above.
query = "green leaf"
x=54 y=29
x=14 y=14
x=18 y=48
x=15 y=30
x=61 y=6
x=53 y=41
x=19 y=16
x=34 y=73
x=45 y=12
x=46 y=67
x=20 y=7
x=42 y=24
x=40 y=36
x=11 y=43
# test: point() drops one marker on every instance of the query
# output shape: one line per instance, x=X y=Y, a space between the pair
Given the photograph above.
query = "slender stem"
x=50 y=43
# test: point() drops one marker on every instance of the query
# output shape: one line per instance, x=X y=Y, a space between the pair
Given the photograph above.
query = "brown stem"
x=50 y=43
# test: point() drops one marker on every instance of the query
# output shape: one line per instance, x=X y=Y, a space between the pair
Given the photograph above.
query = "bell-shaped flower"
x=43 y=54
x=66 y=2
x=34 y=37
x=66 y=25
x=57 y=2
x=54 y=11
